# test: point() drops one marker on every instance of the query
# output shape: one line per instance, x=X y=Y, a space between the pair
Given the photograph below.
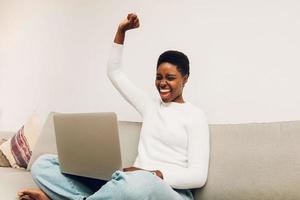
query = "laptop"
x=88 y=144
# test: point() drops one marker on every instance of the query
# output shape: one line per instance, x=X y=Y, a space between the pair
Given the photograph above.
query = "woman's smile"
x=164 y=93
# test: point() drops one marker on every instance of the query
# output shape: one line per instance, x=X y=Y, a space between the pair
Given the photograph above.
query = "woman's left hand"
x=131 y=169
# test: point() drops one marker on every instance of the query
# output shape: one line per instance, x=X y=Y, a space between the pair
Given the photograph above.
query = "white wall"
x=244 y=56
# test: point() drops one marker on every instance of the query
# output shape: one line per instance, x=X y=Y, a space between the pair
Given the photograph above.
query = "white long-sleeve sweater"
x=174 y=137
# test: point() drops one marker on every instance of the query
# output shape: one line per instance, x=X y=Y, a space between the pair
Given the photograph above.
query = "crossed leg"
x=123 y=185
x=53 y=184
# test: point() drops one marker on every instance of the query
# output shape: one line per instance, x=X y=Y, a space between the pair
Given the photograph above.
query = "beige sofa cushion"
x=46 y=142
x=13 y=180
x=254 y=161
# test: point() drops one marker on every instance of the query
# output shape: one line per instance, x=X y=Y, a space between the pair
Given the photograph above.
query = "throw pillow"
x=18 y=148
x=3 y=160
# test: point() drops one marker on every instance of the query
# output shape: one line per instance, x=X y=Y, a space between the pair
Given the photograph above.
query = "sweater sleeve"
x=135 y=96
x=195 y=174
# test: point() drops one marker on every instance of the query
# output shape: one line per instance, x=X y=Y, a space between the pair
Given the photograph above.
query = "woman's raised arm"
x=134 y=95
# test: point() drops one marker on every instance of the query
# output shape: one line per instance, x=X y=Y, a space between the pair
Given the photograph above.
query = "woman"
x=173 y=150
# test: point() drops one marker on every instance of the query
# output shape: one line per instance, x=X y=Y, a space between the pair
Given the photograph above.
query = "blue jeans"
x=136 y=185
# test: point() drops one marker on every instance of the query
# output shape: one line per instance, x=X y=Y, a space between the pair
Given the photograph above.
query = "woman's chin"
x=165 y=100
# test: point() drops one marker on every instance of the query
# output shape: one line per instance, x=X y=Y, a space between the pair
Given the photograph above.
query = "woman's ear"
x=185 y=79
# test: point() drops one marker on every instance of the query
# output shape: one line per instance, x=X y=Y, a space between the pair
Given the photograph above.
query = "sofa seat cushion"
x=13 y=180
x=9 y=170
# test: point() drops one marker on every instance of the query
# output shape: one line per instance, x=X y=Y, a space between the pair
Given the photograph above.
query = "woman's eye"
x=171 y=78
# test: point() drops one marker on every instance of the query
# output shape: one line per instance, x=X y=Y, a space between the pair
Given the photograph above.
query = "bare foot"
x=32 y=194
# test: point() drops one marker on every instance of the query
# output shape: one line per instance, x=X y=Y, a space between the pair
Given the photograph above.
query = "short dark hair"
x=177 y=58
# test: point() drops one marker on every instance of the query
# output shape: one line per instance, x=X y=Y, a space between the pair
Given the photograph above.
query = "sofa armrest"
x=6 y=134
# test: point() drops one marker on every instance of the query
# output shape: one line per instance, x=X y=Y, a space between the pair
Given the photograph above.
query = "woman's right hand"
x=131 y=22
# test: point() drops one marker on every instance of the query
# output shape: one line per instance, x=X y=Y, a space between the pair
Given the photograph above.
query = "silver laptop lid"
x=88 y=144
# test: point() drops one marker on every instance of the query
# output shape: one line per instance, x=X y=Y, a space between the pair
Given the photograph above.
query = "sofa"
x=254 y=161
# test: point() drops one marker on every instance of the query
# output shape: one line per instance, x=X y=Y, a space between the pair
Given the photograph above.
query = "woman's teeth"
x=164 y=90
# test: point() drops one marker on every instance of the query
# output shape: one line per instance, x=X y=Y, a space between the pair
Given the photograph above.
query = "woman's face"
x=170 y=82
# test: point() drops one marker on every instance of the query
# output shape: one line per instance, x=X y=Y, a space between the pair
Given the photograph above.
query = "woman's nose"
x=162 y=83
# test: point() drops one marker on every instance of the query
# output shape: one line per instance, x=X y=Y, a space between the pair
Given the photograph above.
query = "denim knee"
x=139 y=185
x=41 y=163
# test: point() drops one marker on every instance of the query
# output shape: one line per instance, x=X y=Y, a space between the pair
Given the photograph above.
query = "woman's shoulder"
x=194 y=113
x=194 y=109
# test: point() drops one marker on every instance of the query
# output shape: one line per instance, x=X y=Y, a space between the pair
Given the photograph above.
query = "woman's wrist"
x=121 y=29
x=120 y=36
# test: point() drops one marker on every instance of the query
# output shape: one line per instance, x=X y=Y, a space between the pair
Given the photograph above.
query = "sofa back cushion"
x=46 y=143
x=253 y=161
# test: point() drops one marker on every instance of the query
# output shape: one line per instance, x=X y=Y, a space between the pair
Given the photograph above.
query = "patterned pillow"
x=3 y=160
x=18 y=148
